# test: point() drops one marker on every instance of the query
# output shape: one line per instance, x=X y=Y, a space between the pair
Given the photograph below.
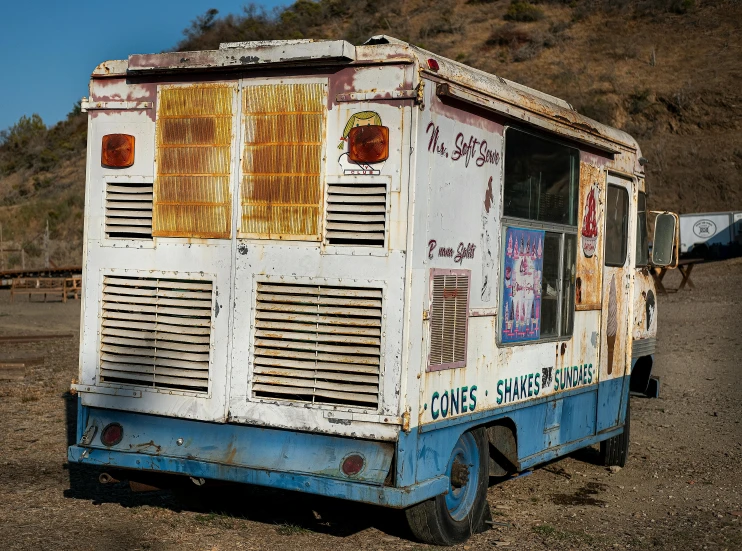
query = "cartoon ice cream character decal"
x=362 y=118
x=612 y=325
x=590 y=223
x=650 y=306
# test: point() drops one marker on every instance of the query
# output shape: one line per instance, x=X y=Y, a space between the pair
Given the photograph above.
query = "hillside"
x=666 y=71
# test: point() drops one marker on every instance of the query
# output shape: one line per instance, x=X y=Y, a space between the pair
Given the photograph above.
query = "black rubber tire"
x=430 y=521
x=615 y=451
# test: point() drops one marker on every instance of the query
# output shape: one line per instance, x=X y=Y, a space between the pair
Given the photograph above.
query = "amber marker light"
x=117 y=151
x=368 y=144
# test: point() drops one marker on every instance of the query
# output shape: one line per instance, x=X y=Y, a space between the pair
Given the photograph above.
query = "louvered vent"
x=156 y=332
x=129 y=210
x=448 y=319
x=318 y=344
x=356 y=214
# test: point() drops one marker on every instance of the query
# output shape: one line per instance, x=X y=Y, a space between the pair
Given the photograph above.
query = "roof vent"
x=383 y=39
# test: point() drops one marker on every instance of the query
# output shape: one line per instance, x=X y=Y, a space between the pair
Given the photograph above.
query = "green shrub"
x=523 y=11
x=509 y=35
x=639 y=101
x=681 y=6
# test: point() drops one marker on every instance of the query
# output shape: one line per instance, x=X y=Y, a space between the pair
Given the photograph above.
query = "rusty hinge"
x=406 y=420
x=419 y=97
x=377 y=95
x=426 y=315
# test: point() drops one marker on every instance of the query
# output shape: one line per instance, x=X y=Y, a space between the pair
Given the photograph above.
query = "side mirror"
x=664 y=248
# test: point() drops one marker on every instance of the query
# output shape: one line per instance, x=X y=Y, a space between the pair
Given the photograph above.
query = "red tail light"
x=368 y=144
x=112 y=434
x=118 y=151
x=353 y=464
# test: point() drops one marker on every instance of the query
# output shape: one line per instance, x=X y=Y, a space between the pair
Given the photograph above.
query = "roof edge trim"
x=271 y=52
x=576 y=130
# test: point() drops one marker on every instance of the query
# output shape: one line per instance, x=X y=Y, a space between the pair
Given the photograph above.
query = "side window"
x=541 y=181
x=539 y=238
x=616 y=225
x=642 y=237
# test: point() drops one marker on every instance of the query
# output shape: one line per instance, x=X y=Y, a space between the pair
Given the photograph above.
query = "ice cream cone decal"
x=590 y=223
x=612 y=325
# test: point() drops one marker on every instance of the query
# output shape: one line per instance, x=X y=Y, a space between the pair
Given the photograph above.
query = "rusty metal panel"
x=284 y=128
x=193 y=161
x=590 y=231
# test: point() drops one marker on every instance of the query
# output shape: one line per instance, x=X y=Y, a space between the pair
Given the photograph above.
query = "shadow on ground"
x=290 y=511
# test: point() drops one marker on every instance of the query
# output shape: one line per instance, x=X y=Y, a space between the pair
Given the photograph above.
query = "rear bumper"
x=285 y=459
x=354 y=491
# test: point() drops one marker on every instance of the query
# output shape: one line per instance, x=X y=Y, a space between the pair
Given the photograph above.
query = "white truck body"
x=389 y=324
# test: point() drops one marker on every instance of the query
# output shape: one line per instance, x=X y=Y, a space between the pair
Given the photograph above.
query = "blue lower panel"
x=545 y=428
x=243 y=445
x=612 y=400
x=354 y=491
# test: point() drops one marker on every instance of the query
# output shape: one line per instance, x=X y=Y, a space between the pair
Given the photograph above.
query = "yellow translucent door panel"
x=194 y=161
x=281 y=192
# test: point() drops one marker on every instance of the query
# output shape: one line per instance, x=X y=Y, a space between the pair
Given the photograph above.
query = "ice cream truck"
x=644 y=329
x=366 y=272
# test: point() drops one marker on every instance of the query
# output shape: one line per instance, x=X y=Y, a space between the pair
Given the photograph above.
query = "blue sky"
x=48 y=48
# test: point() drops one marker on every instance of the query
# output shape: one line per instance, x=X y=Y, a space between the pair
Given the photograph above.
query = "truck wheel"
x=615 y=451
x=451 y=518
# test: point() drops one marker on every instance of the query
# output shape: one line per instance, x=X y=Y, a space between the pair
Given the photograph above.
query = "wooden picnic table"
x=63 y=286
x=685 y=267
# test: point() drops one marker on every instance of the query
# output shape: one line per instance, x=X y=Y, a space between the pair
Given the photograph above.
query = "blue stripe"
x=553 y=453
x=546 y=428
x=244 y=445
x=354 y=491
x=491 y=414
x=542 y=432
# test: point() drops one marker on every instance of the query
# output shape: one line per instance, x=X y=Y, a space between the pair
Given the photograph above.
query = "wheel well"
x=640 y=374
x=503 y=446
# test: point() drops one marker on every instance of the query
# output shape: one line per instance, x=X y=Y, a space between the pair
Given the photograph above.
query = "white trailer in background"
x=711 y=235
x=367 y=272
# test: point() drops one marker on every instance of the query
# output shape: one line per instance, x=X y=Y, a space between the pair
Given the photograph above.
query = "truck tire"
x=451 y=518
x=615 y=451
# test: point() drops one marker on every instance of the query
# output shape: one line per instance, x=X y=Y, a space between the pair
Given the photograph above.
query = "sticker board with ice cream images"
x=589 y=278
x=523 y=269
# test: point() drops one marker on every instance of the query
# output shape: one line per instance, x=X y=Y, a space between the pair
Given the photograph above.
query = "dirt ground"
x=681 y=489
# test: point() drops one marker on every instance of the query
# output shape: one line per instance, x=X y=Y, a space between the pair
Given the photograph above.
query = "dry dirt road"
x=680 y=490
